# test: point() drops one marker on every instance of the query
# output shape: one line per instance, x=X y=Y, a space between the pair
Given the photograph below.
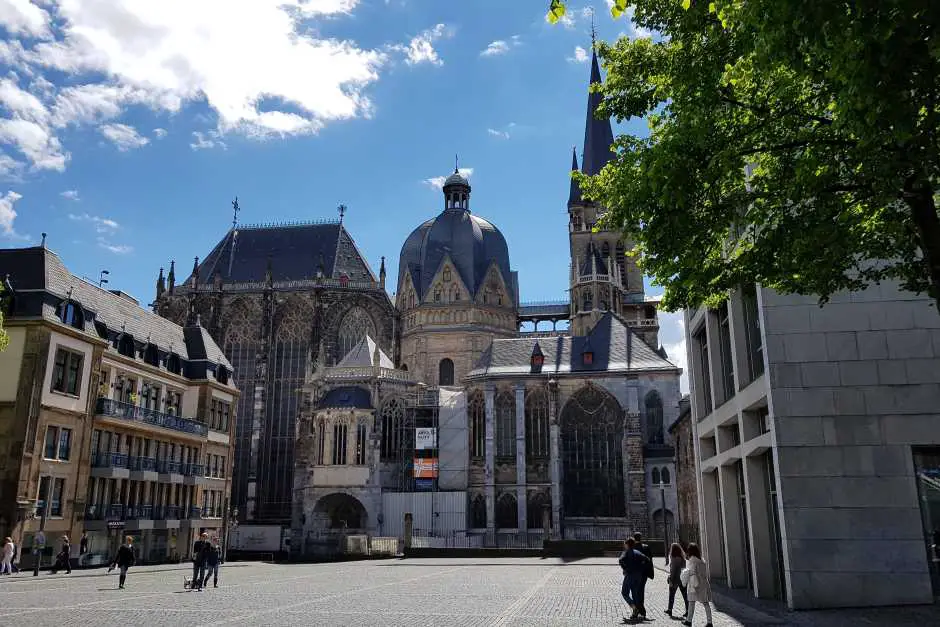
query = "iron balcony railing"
x=117 y=511
x=127 y=411
x=121 y=460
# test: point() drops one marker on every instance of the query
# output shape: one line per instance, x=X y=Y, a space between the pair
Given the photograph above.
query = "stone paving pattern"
x=439 y=592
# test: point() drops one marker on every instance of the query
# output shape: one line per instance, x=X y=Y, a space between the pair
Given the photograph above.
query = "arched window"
x=506 y=425
x=478 y=512
x=393 y=415
x=447 y=274
x=507 y=512
x=476 y=411
x=445 y=372
x=654 y=418
x=592 y=455
x=605 y=251
x=536 y=424
x=586 y=300
x=356 y=325
x=126 y=345
x=665 y=476
x=656 y=478
x=535 y=509
x=622 y=264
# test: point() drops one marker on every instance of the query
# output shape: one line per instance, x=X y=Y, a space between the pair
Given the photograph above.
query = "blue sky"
x=127 y=127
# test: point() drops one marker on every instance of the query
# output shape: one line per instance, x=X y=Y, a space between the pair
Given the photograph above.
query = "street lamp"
x=39 y=540
x=662 y=500
x=101 y=278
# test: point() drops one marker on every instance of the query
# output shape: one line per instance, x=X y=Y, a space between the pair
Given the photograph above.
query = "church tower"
x=602 y=277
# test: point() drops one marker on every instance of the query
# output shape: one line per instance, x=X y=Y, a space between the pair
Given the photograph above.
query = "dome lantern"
x=456 y=192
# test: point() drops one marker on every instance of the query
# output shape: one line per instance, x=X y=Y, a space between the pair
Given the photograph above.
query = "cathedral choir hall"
x=358 y=408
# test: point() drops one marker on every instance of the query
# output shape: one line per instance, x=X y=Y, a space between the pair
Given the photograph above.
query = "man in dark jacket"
x=634 y=565
x=199 y=565
x=64 y=558
x=645 y=549
x=210 y=557
x=124 y=559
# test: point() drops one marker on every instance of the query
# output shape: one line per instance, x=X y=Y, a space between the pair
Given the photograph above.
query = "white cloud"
x=10 y=168
x=70 y=194
x=500 y=46
x=203 y=141
x=580 y=55
x=165 y=55
x=421 y=48
x=8 y=213
x=672 y=338
x=497 y=133
x=437 y=182
x=159 y=133
x=102 y=225
x=117 y=249
x=123 y=136
x=22 y=17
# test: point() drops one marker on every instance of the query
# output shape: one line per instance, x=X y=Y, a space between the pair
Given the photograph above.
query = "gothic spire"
x=598 y=136
x=574 y=195
x=161 y=284
x=171 y=277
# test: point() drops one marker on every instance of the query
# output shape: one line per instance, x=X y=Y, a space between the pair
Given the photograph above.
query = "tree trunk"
x=918 y=194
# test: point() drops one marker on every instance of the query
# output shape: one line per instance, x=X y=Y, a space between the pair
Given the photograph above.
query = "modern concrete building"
x=817 y=445
x=113 y=420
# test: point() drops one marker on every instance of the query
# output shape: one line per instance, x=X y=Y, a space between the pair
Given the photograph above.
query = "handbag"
x=684 y=577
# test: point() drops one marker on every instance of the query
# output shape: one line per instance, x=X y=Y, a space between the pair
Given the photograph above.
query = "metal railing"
x=365 y=372
x=117 y=409
x=149 y=464
x=118 y=511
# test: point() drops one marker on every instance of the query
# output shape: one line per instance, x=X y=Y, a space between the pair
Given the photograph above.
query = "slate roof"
x=347 y=396
x=614 y=345
x=362 y=354
x=41 y=282
x=600 y=266
x=472 y=243
x=294 y=251
x=574 y=193
x=598 y=135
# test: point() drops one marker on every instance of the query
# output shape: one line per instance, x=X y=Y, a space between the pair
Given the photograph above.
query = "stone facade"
x=817 y=426
x=685 y=475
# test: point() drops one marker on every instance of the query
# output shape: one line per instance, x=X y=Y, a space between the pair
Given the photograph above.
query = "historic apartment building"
x=817 y=446
x=113 y=420
x=687 y=525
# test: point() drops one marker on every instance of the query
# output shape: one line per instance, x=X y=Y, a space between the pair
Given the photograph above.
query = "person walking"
x=6 y=567
x=124 y=559
x=645 y=549
x=64 y=558
x=199 y=565
x=634 y=565
x=211 y=556
x=676 y=566
x=698 y=584
x=83 y=544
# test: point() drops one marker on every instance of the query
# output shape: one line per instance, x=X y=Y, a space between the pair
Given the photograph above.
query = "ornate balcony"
x=126 y=411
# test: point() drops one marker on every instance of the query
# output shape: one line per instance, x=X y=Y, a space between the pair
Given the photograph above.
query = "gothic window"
x=586 y=298
x=622 y=264
x=506 y=425
x=605 y=251
x=654 y=418
x=361 y=444
x=534 y=510
x=478 y=512
x=340 y=431
x=445 y=372
x=437 y=294
x=656 y=478
x=536 y=424
x=592 y=455
x=455 y=293
x=507 y=512
x=356 y=325
x=293 y=323
x=393 y=415
x=447 y=274
x=665 y=476
x=477 y=413
x=321 y=443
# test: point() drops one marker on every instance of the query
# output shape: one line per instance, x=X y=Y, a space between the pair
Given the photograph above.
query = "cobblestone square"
x=443 y=592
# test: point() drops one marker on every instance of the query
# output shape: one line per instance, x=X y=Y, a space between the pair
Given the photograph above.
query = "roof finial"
x=593 y=31
x=235 y=210
x=456 y=163
x=43 y=243
x=342 y=212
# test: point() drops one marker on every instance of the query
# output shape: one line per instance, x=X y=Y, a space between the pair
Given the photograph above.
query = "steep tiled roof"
x=37 y=269
x=614 y=346
x=294 y=252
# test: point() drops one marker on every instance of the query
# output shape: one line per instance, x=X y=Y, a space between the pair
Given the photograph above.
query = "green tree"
x=4 y=338
x=830 y=107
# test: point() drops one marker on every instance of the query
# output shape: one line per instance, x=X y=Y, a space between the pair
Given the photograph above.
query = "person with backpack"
x=676 y=566
x=634 y=565
x=124 y=559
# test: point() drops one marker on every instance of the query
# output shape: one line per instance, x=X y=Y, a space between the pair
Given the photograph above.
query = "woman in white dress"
x=697 y=583
x=6 y=567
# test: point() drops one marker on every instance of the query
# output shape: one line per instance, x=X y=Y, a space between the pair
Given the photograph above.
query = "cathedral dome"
x=472 y=243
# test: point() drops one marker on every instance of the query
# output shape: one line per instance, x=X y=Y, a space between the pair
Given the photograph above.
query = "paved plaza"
x=441 y=592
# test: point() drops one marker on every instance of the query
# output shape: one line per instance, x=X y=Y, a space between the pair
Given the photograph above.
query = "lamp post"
x=230 y=522
x=39 y=540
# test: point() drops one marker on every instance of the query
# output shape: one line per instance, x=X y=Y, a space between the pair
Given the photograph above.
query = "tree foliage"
x=832 y=109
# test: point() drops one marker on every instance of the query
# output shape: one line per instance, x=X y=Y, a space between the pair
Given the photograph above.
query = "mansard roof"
x=292 y=251
x=42 y=283
x=363 y=354
x=615 y=347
